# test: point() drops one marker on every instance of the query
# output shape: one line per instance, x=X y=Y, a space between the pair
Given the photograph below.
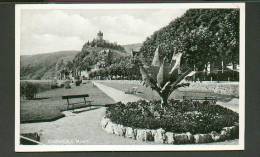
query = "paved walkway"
x=116 y=94
x=233 y=104
x=83 y=128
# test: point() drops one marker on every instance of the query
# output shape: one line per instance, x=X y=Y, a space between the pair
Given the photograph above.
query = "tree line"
x=202 y=35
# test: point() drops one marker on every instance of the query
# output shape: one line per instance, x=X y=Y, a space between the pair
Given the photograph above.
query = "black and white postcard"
x=130 y=77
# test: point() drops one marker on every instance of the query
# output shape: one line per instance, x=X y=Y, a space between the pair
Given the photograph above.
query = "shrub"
x=61 y=85
x=78 y=82
x=29 y=90
x=67 y=84
x=53 y=86
x=38 y=86
x=184 y=116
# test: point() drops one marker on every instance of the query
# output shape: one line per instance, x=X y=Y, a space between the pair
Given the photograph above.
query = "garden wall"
x=162 y=137
x=135 y=82
x=225 y=88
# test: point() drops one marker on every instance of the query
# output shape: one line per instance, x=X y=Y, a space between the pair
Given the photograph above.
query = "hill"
x=43 y=66
x=136 y=47
x=91 y=56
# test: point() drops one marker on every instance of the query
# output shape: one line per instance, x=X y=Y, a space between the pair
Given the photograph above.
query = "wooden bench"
x=212 y=99
x=86 y=102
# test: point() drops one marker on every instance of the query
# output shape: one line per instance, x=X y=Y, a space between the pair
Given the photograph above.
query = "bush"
x=67 y=84
x=54 y=85
x=29 y=90
x=78 y=82
x=185 y=116
x=61 y=85
x=41 y=86
x=227 y=75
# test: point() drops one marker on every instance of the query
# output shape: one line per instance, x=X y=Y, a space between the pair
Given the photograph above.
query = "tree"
x=69 y=66
x=201 y=35
x=164 y=77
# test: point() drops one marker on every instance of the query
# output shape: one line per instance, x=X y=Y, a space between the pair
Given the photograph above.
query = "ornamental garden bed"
x=181 y=122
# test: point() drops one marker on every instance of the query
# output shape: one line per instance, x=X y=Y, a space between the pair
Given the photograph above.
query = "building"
x=99 y=36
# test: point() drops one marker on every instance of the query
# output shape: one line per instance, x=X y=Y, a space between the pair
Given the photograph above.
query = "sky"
x=45 y=31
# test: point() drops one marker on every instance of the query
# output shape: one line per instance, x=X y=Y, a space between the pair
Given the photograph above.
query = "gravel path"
x=233 y=104
x=117 y=95
x=83 y=128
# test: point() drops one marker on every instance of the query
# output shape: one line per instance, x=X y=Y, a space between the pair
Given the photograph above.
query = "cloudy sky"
x=44 y=31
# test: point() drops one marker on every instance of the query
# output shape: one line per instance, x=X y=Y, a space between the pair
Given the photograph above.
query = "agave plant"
x=162 y=76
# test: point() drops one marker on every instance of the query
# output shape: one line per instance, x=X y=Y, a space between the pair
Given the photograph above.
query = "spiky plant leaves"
x=156 y=58
x=163 y=74
x=176 y=61
x=178 y=86
x=148 y=80
x=181 y=77
x=174 y=81
x=153 y=70
x=166 y=87
x=174 y=71
x=162 y=77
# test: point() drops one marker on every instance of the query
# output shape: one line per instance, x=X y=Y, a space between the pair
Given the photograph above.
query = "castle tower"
x=99 y=36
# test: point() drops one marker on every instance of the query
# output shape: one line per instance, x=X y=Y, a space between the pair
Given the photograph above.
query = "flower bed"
x=182 y=122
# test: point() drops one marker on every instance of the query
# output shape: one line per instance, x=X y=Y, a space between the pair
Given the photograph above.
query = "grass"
x=49 y=106
x=147 y=93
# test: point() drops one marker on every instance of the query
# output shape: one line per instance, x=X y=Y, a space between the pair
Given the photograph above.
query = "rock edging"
x=162 y=137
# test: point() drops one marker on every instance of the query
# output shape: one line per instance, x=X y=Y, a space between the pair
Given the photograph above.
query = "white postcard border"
x=199 y=147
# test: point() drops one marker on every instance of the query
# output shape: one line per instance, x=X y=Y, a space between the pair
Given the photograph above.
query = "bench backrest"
x=74 y=96
x=199 y=98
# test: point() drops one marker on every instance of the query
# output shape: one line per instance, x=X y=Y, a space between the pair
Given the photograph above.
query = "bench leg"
x=68 y=104
x=85 y=100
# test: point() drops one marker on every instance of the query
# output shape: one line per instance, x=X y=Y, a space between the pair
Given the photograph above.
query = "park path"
x=115 y=94
x=233 y=104
x=82 y=129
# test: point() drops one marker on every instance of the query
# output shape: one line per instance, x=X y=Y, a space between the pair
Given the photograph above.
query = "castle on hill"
x=99 y=41
x=99 y=36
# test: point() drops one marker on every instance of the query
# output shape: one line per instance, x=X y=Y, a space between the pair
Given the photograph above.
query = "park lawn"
x=149 y=94
x=49 y=106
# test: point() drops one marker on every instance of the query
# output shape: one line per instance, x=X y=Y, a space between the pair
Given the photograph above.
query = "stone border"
x=160 y=136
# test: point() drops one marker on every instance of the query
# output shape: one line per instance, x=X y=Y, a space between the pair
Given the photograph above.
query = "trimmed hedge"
x=179 y=117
